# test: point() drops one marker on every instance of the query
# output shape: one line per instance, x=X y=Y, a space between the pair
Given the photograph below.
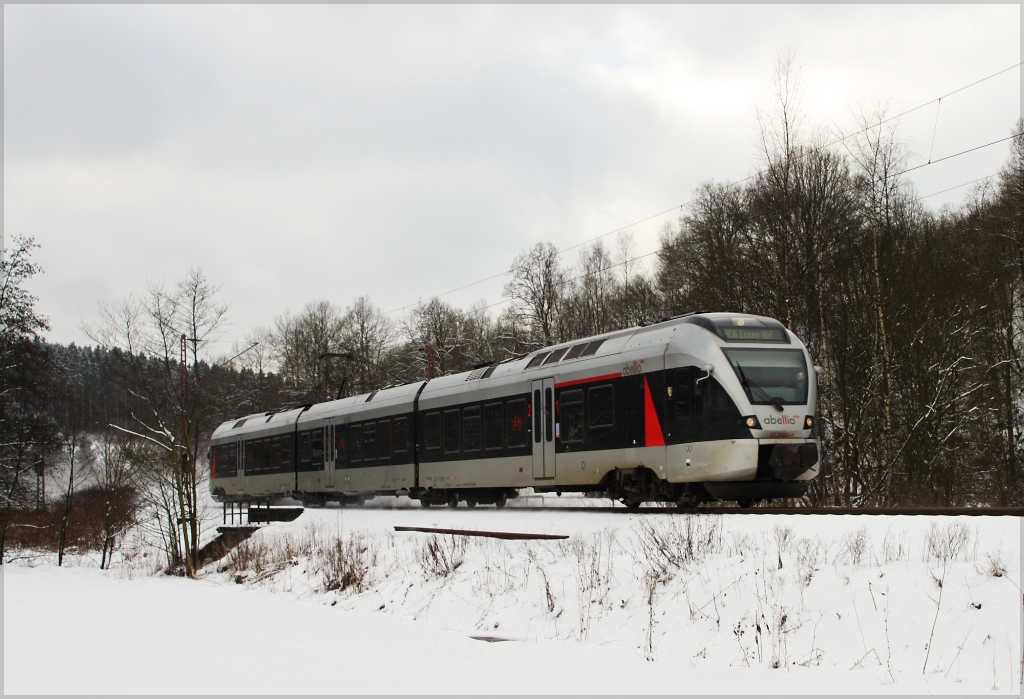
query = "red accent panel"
x=213 y=464
x=605 y=377
x=653 y=436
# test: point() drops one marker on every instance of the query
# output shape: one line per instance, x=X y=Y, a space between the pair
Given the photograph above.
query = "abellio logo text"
x=781 y=420
x=633 y=369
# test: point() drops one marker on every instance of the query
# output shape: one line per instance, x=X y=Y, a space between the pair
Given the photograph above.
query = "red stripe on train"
x=653 y=436
x=605 y=377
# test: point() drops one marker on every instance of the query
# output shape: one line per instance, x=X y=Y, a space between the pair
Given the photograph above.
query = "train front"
x=740 y=403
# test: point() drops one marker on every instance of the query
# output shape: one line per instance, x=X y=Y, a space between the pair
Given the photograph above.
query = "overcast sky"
x=300 y=153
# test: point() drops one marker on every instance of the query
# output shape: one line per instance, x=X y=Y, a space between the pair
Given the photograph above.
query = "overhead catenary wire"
x=655 y=252
x=922 y=106
x=681 y=207
x=963 y=152
x=980 y=179
x=563 y=250
x=935 y=130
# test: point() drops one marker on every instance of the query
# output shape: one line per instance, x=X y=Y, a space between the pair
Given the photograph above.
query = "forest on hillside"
x=914 y=316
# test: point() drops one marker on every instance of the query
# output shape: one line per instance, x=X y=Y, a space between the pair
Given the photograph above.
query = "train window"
x=384 y=439
x=272 y=455
x=537 y=359
x=252 y=465
x=451 y=431
x=575 y=351
x=494 y=437
x=771 y=376
x=471 y=429
x=369 y=441
x=257 y=456
x=274 y=461
x=224 y=461
x=515 y=411
x=549 y=415
x=263 y=455
x=536 y=415
x=432 y=430
x=267 y=454
x=401 y=435
x=355 y=443
x=570 y=416
x=287 y=453
x=340 y=444
x=555 y=356
x=683 y=393
x=591 y=348
x=602 y=406
x=489 y=371
x=316 y=447
x=305 y=448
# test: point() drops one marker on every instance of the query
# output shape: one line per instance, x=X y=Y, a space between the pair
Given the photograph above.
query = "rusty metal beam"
x=492 y=535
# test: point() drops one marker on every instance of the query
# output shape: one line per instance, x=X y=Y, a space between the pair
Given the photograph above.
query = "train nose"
x=784 y=462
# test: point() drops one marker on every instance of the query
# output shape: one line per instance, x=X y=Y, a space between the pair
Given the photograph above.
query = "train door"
x=543 y=412
x=685 y=405
x=330 y=454
x=243 y=463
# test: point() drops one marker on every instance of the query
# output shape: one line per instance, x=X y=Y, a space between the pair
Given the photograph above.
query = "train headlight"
x=809 y=422
x=752 y=422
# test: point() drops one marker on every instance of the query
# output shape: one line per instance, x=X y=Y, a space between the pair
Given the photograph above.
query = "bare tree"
x=880 y=158
x=537 y=287
x=157 y=336
x=116 y=475
x=74 y=468
x=589 y=297
x=626 y=243
x=298 y=343
x=438 y=325
x=367 y=334
x=780 y=120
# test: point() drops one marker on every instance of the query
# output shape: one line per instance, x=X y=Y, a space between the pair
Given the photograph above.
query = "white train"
x=713 y=406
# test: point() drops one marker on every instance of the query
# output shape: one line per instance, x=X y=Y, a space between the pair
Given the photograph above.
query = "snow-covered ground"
x=338 y=602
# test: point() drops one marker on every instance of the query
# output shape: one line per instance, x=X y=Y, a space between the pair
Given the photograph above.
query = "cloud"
x=330 y=151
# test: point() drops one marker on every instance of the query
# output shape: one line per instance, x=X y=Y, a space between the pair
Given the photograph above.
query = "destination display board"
x=747 y=333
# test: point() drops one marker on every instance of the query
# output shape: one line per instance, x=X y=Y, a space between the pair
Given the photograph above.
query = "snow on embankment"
x=338 y=602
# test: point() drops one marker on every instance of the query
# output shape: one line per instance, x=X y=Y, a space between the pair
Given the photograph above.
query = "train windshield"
x=771 y=376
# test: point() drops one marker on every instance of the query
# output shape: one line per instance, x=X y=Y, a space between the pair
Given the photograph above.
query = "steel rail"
x=874 y=511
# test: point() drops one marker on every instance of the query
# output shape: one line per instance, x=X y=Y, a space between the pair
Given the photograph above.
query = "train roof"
x=655 y=333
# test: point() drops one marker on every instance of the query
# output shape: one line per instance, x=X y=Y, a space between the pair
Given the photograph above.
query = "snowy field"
x=338 y=602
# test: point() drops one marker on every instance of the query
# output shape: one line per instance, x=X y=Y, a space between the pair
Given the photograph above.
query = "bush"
x=442 y=556
x=94 y=511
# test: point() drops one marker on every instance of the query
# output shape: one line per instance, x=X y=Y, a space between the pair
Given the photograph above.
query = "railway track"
x=860 y=511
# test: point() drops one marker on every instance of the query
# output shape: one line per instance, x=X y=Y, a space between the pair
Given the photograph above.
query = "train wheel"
x=424 y=503
x=687 y=502
x=500 y=500
x=453 y=500
x=746 y=504
x=314 y=501
x=470 y=503
x=632 y=504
